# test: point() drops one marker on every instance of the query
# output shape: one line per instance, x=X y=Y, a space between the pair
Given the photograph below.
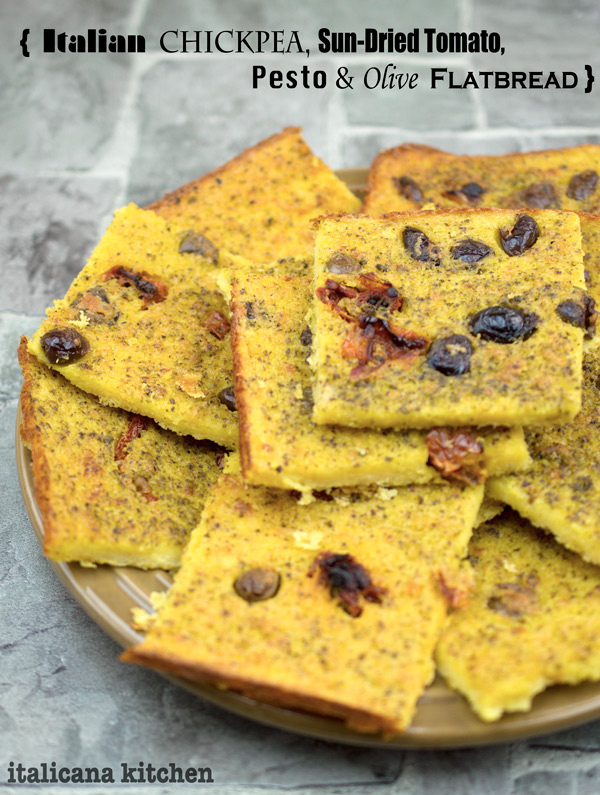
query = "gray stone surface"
x=80 y=135
x=58 y=110
x=179 y=141
x=51 y=226
x=540 y=36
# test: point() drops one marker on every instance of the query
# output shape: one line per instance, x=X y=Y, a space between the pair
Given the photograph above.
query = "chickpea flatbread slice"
x=409 y=176
x=532 y=620
x=143 y=327
x=112 y=487
x=449 y=318
x=260 y=204
x=561 y=491
x=281 y=446
x=333 y=607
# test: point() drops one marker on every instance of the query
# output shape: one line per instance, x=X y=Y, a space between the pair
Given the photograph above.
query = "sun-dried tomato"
x=375 y=342
x=456 y=593
x=137 y=424
x=142 y=485
x=457 y=454
x=371 y=290
x=218 y=325
x=332 y=294
x=378 y=293
x=347 y=580
x=151 y=290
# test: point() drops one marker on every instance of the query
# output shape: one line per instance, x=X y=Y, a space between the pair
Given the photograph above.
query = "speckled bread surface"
x=111 y=487
x=561 y=492
x=425 y=319
x=411 y=175
x=149 y=315
x=532 y=620
x=280 y=445
x=260 y=204
x=361 y=653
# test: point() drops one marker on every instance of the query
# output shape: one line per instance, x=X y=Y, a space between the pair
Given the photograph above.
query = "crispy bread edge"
x=241 y=399
x=358 y=719
x=41 y=479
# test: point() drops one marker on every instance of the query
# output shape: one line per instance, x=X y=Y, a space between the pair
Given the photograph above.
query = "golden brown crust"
x=506 y=180
x=357 y=719
x=241 y=398
x=39 y=462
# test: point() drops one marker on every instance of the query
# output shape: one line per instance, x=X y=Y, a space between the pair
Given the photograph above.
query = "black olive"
x=540 y=195
x=193 y=243
x=580 y=315
x=521 y=237
x=581 y=186
x=227 y=398
x=451 y=355
x=256 y=585
x=64 y=345
x=503 y=324
x=470 y=251
x=419 y=246
x=306 y=337
x=408 y=188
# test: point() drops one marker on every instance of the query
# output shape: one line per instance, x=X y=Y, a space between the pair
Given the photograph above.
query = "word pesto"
x=143 y=773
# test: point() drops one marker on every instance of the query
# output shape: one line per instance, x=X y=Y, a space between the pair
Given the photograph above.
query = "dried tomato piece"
x=419 y=246
x=378 y=293
x=581 y=186
x=451 y=355
x=521 y=237
x=194 y=243
x=332 y=294
x=456 y=453
x=137 y=424
x=151 y=290
x=468 y=194
x=64 y=345
x=582 y=315
x=142 y=485
x=342 y=263
x=541 y=195
x=375 y=342
x=257 y=585
x=347 y=580
x=503 y=324
x=407 y=187
x=218 y=325
x=471 y=251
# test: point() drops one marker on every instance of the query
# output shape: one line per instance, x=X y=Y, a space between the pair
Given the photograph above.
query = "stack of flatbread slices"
x=317 y=412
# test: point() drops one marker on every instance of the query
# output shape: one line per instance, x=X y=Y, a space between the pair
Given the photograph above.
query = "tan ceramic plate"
x=443 y=718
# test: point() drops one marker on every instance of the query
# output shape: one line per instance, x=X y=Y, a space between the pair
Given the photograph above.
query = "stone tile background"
x=82 y=134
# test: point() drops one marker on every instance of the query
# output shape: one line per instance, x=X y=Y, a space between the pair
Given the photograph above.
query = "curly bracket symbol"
x=23 y=42
x=590 y=78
